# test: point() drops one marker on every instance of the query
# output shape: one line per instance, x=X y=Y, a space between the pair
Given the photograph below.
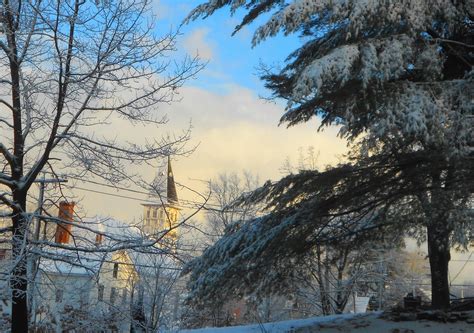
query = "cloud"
x=234 y=131
x=237 y=130
x=197 y=42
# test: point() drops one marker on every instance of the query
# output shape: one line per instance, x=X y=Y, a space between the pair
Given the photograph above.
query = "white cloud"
x=235 y=131
x=197 y=42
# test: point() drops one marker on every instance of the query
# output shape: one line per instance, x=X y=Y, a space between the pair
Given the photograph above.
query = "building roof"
x=157 y=196
x=171 y=193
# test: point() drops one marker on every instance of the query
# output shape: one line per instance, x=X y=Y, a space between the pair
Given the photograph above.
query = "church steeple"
x=162 y=214
x=171 y=193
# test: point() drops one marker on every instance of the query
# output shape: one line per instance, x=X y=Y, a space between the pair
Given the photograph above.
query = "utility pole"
x=34 y=263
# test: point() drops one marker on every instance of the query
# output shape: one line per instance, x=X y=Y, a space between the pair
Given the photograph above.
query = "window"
x=100 y=293
x=3 y=254
x=124 y=295
x=148 y=213
x=82 y=298
x=59 y=295
x=172 y=217
x=115 y=272
x=112 y=295
x=155 y=212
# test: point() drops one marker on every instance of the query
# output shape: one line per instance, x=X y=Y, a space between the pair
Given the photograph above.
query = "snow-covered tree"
x=158 y=292
x=221 y=214
x=329 y=276
x=397 y=77
x=69 y=70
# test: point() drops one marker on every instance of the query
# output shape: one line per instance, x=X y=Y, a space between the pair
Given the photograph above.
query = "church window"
x=115 y=272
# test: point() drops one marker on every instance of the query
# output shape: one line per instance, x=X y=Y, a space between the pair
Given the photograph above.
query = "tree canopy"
x=397 y=77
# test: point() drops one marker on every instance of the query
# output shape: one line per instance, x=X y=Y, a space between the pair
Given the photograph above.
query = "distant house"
x=5 y=249
x=83 y=283
x=103 y=268
x=81 y=277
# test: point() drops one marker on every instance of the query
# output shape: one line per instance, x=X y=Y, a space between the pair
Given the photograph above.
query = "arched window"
x=115 y=272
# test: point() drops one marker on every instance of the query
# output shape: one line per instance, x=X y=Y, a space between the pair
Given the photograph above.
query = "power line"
x=106 y=193
x=139 y=199
x=108 y=185
x=136 y=191
x=190 y=203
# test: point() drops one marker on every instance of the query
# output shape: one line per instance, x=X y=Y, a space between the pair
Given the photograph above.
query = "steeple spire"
x=171 y=193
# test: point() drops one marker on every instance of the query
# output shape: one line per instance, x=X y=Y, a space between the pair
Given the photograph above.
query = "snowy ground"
x=365 y=323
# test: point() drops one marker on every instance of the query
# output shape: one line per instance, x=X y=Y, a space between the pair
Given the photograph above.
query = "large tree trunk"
x=18 y=279
x=439 y=255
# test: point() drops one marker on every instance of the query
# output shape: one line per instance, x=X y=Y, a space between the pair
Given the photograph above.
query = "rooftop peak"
x=171 y=193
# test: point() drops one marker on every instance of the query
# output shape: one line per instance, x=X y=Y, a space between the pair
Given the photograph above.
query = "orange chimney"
x=63 y=230
x=98 y=239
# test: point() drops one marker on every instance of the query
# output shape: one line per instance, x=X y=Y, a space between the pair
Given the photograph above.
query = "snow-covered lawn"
x=348 y=323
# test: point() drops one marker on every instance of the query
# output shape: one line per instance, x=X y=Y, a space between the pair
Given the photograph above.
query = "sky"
x=231 y=59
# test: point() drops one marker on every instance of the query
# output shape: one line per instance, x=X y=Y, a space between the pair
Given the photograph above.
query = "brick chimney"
x=63 y=230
